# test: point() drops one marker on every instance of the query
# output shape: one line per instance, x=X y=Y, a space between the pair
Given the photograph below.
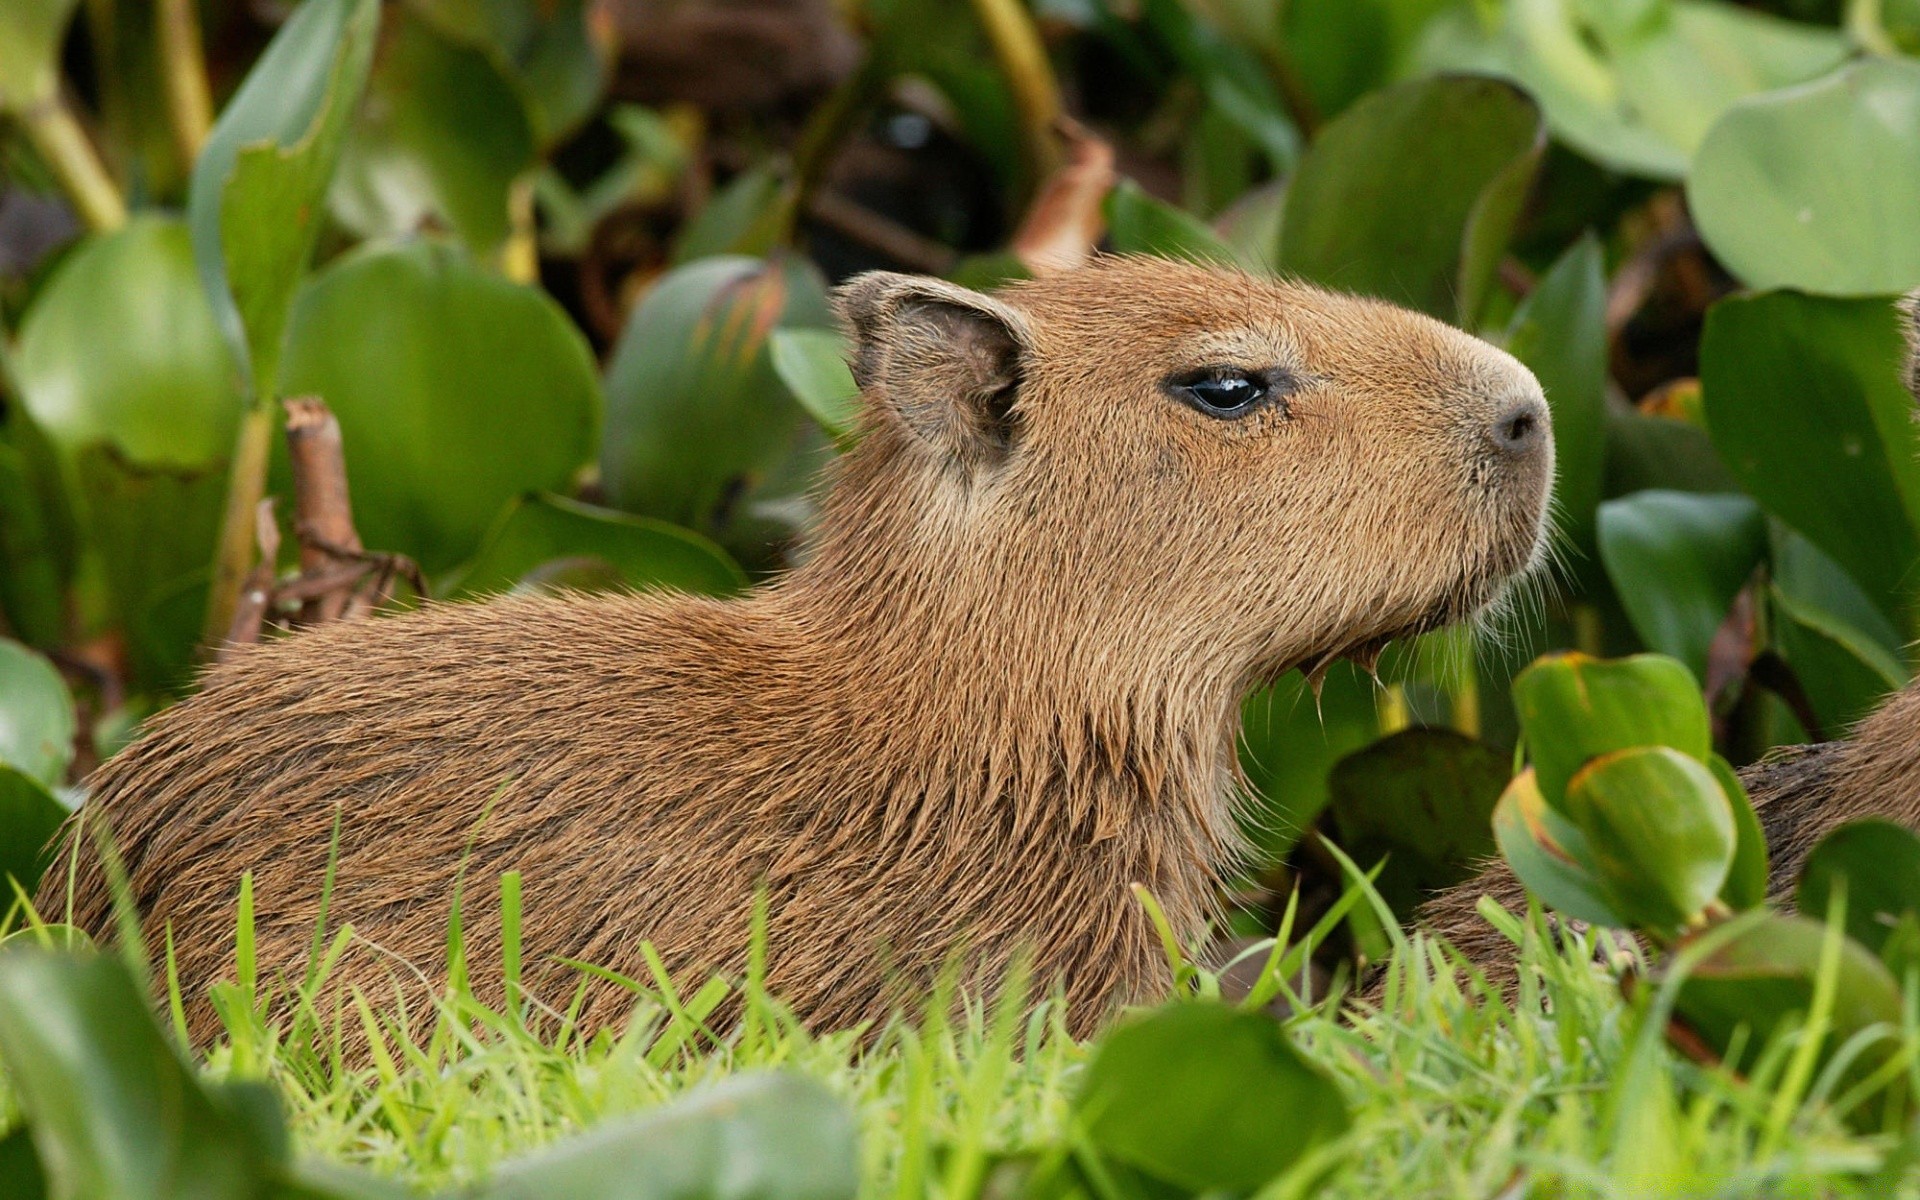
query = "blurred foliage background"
x=560 y=269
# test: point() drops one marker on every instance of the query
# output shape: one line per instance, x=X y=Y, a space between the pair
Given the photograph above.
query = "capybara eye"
x=1222 y=391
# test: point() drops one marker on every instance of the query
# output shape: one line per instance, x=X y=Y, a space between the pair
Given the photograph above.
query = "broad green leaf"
x=33 y=567
x=1560 y=333
x=1677 y=560
x=31 y=32
x=1411 y=194
x=1206 y=1098
x=1747 y=875
x=113 y=1110
x=1549 y=855
x=540 y=537
x=812 y=363
x=1877 y=864
x=1139 y=224
x=20 y=1171
x=1424 y=798
x=36 y=715
x=551 y=51
x=1843 y=649
x=1574 y=708
x=1764 y=978
x=744 y=217
x=1634 y=87
x=1660 y=833
x=121 y=347
x=1289 y=741
x=443 y=135
x=695 y=412
x=456 y=391
x=29 y=817
x=1344 y=49
x=1813 y=187
x=1229 y=72
x=257 y=192
x=767 y=1136
x=1804 y=401
x=1660 y=452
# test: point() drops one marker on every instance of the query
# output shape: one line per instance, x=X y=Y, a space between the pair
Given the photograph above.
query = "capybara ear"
x=946 y=362
x=1909 y=307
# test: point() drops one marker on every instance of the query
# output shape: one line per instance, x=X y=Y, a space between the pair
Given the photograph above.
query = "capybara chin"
x=1082 y=520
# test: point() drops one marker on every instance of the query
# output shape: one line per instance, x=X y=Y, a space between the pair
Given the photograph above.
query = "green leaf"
x=812 y=363
x=255 y=201
x=20 y=1171
x=546 y=534
x=695 y=412
x=1425 y=798
x=1877 y=863
x=1660 y=833
x=1574 y=708
x=1548 y=854
x=1139 y=224
x=456 y=392
x=1764 y=978
x=1411 y=194
x=1206 y=1098
x=1813 y=187
x=35 y=565
x=1746 y=885
x=442 y=136
x=113 y=1110
x=1677 y=560
x=1634 y=87
x=1660 y=452
x=1560 y=333
x=768 y=1136
x=557 y=64
x=30 y=815
x=742 y=218
x=1290 y=740
x=31 y=33
x=1804 y=401
x=36 y=715
x=1843 y=649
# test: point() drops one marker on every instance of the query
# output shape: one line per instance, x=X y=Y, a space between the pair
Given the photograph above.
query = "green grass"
x=1569 y=1090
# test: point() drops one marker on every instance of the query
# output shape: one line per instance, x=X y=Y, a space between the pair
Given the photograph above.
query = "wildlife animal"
x=1800 y=794
x=1082 y=520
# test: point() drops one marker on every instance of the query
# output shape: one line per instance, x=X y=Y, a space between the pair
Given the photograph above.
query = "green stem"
x=183 y=73
x=1036 y=91
x=246 y=484
x=61 y=143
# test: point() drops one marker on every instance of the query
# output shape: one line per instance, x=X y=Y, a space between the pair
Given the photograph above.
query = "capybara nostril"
x=1521 y=428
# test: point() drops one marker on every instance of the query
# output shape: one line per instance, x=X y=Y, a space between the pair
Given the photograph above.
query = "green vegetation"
x=560 y=270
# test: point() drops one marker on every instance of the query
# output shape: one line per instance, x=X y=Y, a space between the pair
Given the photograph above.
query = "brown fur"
x=1004 y=685
x=1801 y=793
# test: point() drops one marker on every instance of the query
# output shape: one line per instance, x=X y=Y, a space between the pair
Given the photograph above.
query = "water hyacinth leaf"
x=20 y=1172
x=1385 y=205
x=1230 y=74
x=1634 y=87
x=695 y=412
x=1804 y=402
x=1813 y=187
x=1677 y=560
x=30 y=815
x=1646 y=452
x=540 y=536
x=1876 y=864
x=1746 y=885
x=442 y=136
x=1573 y=707
x=1206 y=1098
x=1139 y=224
x=36 y=715
x=1763 y=974
x=1560 y=333
x=121 y=347
x=255 y=200
x=768 y=1136
x=112 y=1109
x=1548 y=854
x=1822 y=596
x=812 y=363
x=31 y=32
x=1844 y=674
x=35 y=554
x=456 y=391
x=1290 y=740
x=744 y=217
x=1660 y=833
x=553 y=52
x=1424 y=798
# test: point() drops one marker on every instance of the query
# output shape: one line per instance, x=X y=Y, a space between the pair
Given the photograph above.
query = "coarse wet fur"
x=1004 y=686
x=1800 y=793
